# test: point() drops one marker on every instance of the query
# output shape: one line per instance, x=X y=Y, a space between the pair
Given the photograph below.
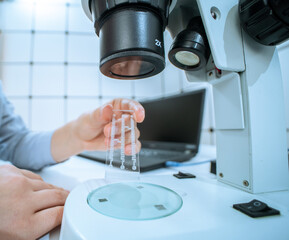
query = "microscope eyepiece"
x=131 y=36
x=190 y=50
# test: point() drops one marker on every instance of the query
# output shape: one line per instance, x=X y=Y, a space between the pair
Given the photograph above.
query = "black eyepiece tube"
x=131 y=37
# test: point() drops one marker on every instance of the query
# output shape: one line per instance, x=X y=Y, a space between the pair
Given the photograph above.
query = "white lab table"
x=77 y=170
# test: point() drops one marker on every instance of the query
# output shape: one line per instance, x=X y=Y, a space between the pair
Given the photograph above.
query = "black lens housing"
x=266 y=21
x=131 y=36
x=193 y=39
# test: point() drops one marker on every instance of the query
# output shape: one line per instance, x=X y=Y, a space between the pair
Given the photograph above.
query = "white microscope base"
x=207 y=213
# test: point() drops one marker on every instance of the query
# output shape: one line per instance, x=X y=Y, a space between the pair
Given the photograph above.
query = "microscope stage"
x=196 y=209
x=134 y=201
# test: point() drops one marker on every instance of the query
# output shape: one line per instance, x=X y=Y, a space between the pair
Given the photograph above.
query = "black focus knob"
x=266 y=21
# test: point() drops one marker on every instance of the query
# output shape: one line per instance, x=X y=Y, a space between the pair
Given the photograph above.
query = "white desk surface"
x=77 y=169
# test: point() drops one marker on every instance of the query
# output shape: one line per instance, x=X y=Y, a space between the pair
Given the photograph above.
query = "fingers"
x=98 y=144
x=128 y=148
x=30 y=174
x=126 y=104
x=101 y=115
x=38 y=185
x=128 y=138
x=104 y=114
x=46 y=220
x=49 y=198
x=118 y=126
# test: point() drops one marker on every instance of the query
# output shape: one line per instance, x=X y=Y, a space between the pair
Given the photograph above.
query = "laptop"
x=171 y=130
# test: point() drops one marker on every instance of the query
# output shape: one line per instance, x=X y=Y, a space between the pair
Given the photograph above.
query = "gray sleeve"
x=25 y=149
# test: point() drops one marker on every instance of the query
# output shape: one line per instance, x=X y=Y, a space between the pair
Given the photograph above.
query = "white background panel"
x=83 y=80
x=15 y=47
x=16 y=16
x=83 y=48
x=113 y=87
x=149 y=87
x=16 y=79
x=76 y=107
x=78 y=22
x=49 y=47
x=48 y=80
x=172 y=79
x=47 y=114
x=55 y=14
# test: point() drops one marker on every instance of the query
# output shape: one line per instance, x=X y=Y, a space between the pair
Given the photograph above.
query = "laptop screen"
x=174 y=119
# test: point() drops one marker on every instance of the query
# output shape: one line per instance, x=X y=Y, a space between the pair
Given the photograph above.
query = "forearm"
x=64 y=143
x=30 y=150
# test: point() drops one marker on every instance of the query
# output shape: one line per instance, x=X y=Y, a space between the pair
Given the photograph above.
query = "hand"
x=29 y=207
x=91 y=131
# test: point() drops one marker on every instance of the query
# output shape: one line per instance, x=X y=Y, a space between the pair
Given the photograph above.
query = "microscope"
x=231 y=45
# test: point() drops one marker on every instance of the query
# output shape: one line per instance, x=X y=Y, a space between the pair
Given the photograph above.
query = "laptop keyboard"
x=159 y=153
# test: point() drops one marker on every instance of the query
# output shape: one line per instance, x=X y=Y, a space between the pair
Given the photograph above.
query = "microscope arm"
x=248 y=100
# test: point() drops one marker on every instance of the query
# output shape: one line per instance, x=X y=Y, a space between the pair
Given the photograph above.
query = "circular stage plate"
x=134 y=201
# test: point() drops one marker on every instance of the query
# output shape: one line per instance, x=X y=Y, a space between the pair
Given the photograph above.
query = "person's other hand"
x=29 y=207
x=93 y=129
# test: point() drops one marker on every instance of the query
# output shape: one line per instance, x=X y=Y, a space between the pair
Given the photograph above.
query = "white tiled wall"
x=78 y=106
x=23 y=12
x=83 y=80
x=49 y=48
x=49 y=66
x=50 y=18
x=17 y=79
x=82 y=48
x=15 y=47
x=51 y=76
x=47 y=113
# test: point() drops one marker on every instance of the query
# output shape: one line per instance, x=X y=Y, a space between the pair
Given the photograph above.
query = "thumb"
x=106 y=113
x=102 y=115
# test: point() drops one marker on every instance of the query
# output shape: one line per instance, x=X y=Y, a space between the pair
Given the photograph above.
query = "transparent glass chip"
x=122 y=159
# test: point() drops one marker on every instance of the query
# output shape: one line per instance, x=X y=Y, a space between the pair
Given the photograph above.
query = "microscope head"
x=132 y=42
x=131 y=36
